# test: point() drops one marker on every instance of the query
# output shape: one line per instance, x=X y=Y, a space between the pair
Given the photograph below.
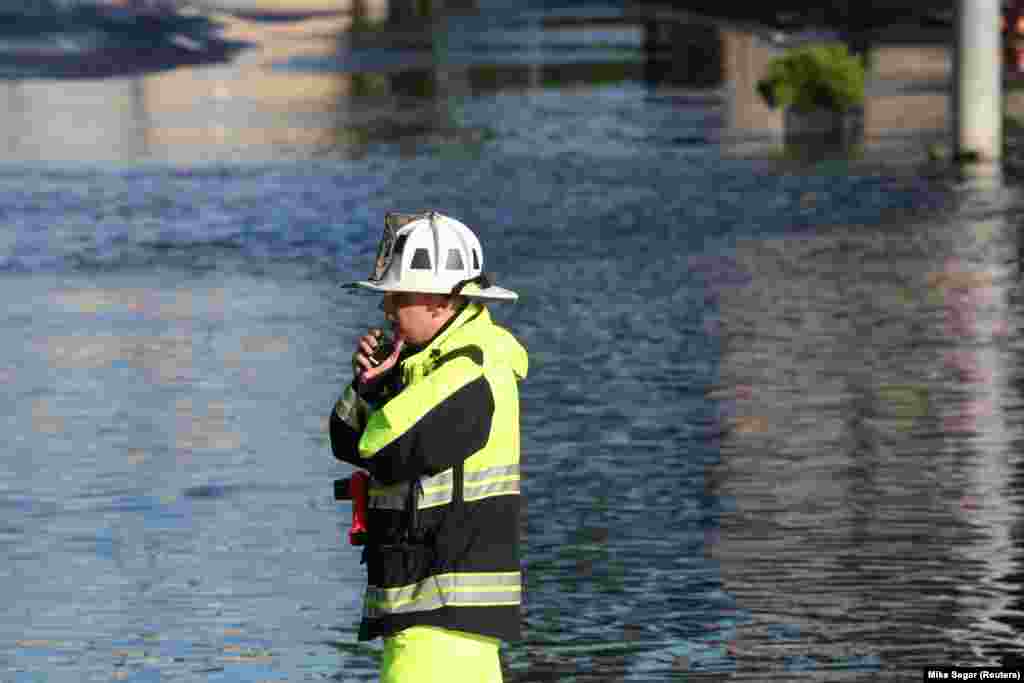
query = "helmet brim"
x=471 y=291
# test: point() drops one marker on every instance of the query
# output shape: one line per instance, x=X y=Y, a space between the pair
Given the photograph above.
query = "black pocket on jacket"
x=399 y=564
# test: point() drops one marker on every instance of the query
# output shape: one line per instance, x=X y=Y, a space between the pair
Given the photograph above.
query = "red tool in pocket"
x=356 y=489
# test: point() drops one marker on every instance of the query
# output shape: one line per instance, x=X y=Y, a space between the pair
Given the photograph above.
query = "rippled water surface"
x=770 y=429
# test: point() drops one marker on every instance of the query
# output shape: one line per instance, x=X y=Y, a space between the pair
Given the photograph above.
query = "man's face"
x=414 y=317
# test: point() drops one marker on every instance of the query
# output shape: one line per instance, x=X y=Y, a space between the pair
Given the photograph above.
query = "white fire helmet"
x=431 y=253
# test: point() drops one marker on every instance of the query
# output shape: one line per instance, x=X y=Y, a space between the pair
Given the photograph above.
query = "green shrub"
x=822 y=76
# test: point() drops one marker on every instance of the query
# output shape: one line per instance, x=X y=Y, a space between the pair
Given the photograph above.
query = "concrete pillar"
x=745 y=61
x=977 y=81
x=13 y=114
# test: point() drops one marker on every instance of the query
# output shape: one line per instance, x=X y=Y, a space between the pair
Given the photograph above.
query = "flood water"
x=770 y=430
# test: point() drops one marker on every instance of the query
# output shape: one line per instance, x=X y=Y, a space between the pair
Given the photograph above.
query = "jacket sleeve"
x=352 y=410
x=347 y=421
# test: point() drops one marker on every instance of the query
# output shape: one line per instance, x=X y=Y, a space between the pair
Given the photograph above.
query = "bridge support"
x=977 y=82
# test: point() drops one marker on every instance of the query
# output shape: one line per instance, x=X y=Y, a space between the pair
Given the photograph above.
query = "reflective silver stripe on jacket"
x=437 y=490
x=491 y=481
x=445 y=590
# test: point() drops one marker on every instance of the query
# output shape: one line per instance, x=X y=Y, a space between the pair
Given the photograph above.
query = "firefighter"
x=436 y=425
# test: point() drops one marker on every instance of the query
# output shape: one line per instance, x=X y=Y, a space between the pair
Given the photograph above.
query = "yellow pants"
x=426 y=654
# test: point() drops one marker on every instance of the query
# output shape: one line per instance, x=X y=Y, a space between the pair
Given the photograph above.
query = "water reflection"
x=76 y=120
x=282 y=98
x=872 y=441
x=334 y=83
x=981 y=273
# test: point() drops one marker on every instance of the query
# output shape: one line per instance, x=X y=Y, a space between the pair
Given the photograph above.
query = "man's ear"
x=443 y=304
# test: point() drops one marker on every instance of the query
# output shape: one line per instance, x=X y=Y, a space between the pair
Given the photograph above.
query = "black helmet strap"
x=485 y=280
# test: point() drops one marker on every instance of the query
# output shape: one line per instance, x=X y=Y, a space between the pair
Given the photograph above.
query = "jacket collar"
x=469 y=312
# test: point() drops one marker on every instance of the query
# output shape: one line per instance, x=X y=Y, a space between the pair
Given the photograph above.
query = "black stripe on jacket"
x=446 y=435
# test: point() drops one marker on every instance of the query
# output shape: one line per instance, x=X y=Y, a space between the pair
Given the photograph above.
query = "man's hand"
x=363 y=366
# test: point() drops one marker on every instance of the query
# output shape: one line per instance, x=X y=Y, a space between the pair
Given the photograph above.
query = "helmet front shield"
x=386 y=252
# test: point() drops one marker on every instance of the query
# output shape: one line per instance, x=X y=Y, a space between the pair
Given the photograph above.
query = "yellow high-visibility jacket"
x=441 y=444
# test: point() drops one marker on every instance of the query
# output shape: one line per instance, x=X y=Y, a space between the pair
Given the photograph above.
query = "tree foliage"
x=823 y=76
